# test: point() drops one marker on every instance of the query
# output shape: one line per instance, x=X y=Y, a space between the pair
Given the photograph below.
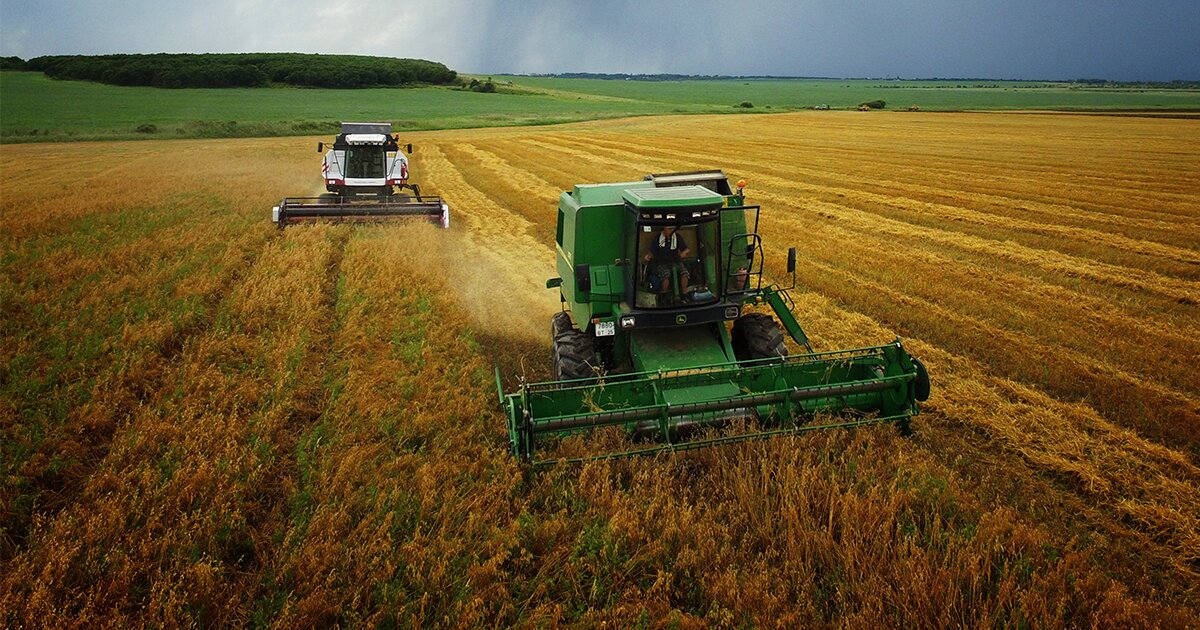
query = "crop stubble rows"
x=1044 y=324
x=315 y=441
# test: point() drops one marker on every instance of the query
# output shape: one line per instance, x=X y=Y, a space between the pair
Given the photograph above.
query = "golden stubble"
x=301 y=427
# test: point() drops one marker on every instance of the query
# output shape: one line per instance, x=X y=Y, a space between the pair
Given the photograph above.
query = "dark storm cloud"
x=1148 y=40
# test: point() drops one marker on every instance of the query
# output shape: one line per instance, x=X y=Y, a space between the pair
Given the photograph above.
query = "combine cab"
x=365 y=173
x=656 y=338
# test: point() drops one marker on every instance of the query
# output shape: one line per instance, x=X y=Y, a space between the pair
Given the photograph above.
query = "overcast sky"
x=1002 y=39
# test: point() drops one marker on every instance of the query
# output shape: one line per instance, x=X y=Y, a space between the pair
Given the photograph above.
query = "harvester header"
x=661 y=334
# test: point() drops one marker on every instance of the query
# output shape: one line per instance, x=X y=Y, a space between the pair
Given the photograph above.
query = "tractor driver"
x=666 y=254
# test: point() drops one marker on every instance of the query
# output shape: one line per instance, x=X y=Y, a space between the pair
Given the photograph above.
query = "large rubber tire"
x=574 y=353
x=757 y=336
x=560 y=323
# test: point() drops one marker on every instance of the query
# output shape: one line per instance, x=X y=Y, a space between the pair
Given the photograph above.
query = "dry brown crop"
x=206 y=421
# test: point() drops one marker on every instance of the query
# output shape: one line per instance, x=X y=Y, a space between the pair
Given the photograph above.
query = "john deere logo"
x=681 y=319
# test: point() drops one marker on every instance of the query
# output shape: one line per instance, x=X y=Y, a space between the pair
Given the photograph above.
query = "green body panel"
x=593 y=235
x=733 y=222
x=680 y=348
x=678 y=396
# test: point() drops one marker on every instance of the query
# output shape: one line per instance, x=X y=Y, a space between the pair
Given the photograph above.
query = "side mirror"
x=408 y=148
x=791 y=260
x=583 y=278
x=320 y=147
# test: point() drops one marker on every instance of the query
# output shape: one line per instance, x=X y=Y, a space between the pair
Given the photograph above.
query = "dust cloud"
x=500 y=285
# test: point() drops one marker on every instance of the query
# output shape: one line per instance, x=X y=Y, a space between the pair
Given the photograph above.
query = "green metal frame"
x=875 y=383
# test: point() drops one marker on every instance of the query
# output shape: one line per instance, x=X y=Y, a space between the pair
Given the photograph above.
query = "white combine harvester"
x=365 y=172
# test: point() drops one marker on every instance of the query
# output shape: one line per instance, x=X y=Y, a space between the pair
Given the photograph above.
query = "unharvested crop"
x=209 y=421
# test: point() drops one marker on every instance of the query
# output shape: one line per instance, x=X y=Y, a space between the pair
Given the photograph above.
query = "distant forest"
x=240 y=70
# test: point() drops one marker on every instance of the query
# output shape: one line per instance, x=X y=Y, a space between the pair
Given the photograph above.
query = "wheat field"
x=210 y=422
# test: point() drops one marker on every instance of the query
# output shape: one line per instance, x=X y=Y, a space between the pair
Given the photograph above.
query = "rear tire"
x=757 y=336
x=574 y=353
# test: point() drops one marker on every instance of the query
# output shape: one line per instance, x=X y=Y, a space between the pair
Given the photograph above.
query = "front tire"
x=560 y=323
x=574 y=356
x=757 y=336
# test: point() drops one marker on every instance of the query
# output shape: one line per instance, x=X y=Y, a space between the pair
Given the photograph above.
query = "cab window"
x=676 y=264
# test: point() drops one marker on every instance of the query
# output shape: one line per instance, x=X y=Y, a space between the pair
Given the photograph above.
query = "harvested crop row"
x=922 y=204
x=1059 y=461
x=496 y=259
x=565 y=157
x=1139 y=158
x=874 y=260
x=980 y=251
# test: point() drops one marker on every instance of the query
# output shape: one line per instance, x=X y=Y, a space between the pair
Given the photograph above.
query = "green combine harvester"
x=651 y=275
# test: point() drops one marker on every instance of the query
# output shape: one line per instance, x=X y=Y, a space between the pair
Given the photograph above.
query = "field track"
x=206 y=420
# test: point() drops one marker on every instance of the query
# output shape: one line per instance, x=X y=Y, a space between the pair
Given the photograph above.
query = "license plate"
x=606 y=329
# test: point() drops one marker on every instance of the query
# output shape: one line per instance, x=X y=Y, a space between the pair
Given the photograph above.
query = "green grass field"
x=34 y=108
x=848 y=93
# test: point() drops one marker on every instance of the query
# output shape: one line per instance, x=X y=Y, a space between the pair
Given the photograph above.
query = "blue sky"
x=1004 y=39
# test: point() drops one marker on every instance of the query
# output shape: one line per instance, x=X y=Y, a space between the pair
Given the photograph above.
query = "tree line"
x=240 y=70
